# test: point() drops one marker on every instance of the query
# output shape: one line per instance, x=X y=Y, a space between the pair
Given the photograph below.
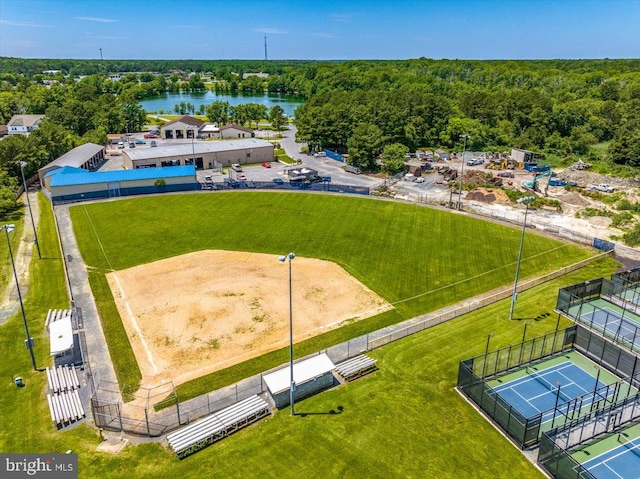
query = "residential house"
x=23 y=124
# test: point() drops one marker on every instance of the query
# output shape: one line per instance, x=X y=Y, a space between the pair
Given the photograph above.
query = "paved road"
x=81 y=296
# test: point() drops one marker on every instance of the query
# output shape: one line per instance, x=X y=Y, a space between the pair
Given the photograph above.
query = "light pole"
x=9 y=229
x=464 y=149
x=524 y=335
x=526 y=200
x=193 y=151
x=282 y=259
x=486 y=354
x=26 y=193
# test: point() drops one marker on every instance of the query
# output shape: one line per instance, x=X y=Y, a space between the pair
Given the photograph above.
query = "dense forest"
x=565 y=109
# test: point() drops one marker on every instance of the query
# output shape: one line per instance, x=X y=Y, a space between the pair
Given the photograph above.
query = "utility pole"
x=265 y=46
x=101 y=54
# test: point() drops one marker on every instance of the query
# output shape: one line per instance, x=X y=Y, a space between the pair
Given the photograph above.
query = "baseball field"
x=190 y=284
x=406 y=420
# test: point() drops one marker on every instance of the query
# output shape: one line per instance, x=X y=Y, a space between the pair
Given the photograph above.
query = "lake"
x=167 y=101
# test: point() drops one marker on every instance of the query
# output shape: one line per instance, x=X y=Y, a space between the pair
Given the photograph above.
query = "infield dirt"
x=197 y=313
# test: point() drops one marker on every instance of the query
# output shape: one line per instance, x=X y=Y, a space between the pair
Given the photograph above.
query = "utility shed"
x=61 y=336
x=310 y=376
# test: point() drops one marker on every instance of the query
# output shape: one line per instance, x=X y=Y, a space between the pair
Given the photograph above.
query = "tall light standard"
x=526 y=200
x=524 y=335
x=282 y=259
x=26 y=193
x=464 y=150
x=9 y=229
x=193 y=150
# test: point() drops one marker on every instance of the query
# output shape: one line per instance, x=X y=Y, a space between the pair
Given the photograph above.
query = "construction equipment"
x=533 y=184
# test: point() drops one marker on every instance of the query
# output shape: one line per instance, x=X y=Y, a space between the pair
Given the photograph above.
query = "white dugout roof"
x=303 y=371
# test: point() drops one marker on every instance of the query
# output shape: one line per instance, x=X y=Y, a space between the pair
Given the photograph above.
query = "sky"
x=320 y=29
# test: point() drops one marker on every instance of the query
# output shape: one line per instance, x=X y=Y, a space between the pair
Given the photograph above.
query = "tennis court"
x=541 y=389
x=622 y=461
x=621 y=326
x=631 y=295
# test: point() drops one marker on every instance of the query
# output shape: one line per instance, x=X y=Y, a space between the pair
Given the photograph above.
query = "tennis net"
x=551 y=387
x=630 y=445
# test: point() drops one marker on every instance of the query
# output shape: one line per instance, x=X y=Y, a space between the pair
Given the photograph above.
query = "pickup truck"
x=602 y=187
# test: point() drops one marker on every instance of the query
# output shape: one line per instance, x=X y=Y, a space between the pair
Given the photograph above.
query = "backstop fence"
x=557 y=445
x=474 y=373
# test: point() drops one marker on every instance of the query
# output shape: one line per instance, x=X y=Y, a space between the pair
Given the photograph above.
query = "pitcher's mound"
x=197 y=313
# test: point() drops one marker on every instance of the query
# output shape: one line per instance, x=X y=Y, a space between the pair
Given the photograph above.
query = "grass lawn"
x=416 y=258
x=405 y=420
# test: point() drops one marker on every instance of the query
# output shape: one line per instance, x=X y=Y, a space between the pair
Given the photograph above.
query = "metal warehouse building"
x=88 y=157
x=208 y=155
x=76 y=184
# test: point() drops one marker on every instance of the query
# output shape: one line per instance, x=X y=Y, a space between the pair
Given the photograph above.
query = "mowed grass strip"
x=418 y=258
x=406 y=420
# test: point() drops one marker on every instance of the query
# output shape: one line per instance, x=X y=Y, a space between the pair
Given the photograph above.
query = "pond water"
x=167 y=101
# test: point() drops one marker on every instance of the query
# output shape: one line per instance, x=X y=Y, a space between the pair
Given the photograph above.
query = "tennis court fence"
x=474 y=373
x=575 y=302
x=557 y=445
x=628 y=277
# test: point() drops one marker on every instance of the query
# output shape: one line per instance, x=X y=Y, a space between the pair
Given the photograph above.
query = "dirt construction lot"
x=194 y=314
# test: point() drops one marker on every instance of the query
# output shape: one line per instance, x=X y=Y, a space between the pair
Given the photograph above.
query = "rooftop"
x=87 y=178
x=195 y=148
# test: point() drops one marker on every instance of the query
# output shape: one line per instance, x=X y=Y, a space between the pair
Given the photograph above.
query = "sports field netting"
x=554 y=389
x=622 y=462
x=541 y=390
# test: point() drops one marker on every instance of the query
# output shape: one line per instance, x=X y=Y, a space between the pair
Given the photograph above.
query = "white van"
x=236 y=167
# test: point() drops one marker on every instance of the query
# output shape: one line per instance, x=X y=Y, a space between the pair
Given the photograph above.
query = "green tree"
x=218 y=112
x=364 y=146
x=393 y=157
x=276 y=117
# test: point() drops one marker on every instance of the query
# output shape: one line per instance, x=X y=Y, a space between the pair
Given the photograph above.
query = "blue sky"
x=321 y=29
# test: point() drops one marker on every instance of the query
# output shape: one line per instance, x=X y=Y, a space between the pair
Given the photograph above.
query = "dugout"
x=310 y=376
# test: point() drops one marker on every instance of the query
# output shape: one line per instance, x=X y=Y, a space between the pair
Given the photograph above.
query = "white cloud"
x=323 y=35
x=22 y=24
x=95 y=19
x=271 y=31
x=340 y=17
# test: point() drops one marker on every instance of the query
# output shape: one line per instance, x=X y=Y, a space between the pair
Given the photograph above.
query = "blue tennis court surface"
x=614 y=323
x=622 y=462
x=541 y=389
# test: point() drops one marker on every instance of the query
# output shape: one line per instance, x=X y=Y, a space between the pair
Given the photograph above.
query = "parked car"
x=266 y=164
x=506 y=174
x=121 y=144
x=208 y=180
x=278 y=181
x=140 y=142
x=241 y=177
x=320 y=154
x=153 y=143
x=420 y=179
x=132 y=145
x=409 y=177
x=602 y=187
x=151 y=135
x=236 y=167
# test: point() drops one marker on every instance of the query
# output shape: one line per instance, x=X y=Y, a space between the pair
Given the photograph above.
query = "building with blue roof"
x=76 y=184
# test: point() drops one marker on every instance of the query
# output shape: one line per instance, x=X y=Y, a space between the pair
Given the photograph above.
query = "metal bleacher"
x=218 y=425
x=356 y=367
x=64 y=402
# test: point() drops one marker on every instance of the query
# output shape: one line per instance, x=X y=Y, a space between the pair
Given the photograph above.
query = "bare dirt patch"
x=197 y=313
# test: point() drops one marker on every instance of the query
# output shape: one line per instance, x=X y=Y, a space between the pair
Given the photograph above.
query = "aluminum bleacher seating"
x=356 y=367
x=216 y=426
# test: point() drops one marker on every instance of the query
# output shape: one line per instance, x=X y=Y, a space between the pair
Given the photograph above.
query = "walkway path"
x=98 y=358
x=9 y=302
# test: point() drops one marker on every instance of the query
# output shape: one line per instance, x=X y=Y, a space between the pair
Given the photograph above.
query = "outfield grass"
x=416 y=258
x=405 y=420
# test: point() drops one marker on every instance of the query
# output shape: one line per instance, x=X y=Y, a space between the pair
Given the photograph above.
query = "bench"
x=62 y=378
x=65 y=407
x=56 y=315
x=216 y=426
x=356 y=367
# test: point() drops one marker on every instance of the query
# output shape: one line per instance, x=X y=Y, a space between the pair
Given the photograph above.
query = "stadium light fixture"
x=26 y=193
x=292 y=386
x=29 y=341
x=464 y=150
x=526 y=200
